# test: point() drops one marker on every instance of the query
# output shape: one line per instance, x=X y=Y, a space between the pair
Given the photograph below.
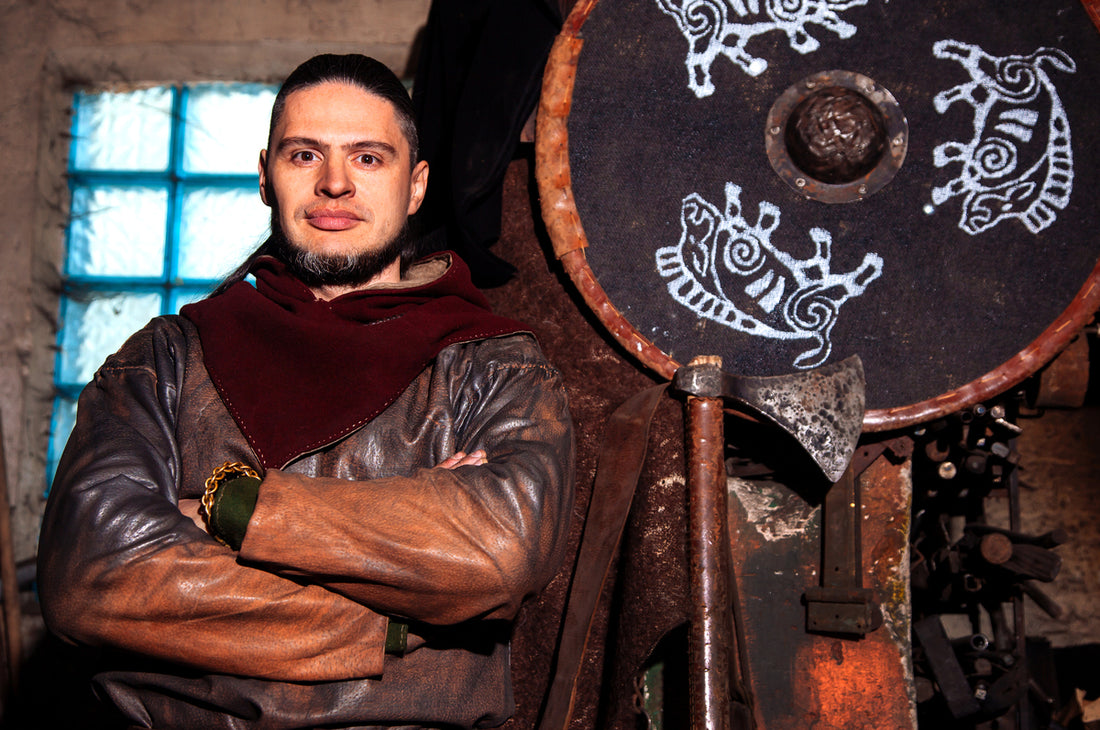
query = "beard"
x=351 y=269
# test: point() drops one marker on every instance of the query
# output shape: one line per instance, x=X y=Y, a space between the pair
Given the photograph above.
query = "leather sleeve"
x=440 y=546
x=119 y=565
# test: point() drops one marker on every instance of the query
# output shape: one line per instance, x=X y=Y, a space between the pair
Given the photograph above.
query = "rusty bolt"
x=995 y=548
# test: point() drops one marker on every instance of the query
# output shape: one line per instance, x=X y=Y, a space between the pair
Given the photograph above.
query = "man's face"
x=338 y=175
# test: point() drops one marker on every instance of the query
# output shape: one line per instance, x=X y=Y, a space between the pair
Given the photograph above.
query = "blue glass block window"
x=165 y=202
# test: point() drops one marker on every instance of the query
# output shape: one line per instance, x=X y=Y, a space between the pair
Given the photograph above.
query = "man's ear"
x=418 y=186
x=263 y=178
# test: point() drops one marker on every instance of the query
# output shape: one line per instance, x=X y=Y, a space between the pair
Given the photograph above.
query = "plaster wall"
x=49 y=49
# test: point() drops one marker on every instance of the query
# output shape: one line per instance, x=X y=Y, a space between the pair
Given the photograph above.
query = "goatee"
x=344 y=270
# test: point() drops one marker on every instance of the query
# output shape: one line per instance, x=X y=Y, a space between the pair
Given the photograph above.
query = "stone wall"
x=52 y=48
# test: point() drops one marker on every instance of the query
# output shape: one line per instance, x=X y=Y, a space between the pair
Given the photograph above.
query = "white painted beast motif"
x=728 y=271
x=725 y=27
x=1019 y=163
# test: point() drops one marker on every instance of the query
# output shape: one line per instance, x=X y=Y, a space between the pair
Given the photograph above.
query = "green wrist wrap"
x=397 y=637
x=233 y=505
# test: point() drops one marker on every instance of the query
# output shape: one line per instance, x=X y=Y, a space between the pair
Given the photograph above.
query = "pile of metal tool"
x=974 y=667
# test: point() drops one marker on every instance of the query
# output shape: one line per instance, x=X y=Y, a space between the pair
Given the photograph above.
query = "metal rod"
x=1023 y=706
x=711 y=634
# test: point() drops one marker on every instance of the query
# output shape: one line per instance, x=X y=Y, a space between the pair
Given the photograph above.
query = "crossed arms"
x=325 y=560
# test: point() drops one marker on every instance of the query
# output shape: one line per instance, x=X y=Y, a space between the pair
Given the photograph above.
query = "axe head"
x=821 y=408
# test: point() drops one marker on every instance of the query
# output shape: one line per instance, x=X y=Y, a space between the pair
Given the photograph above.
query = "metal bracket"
x=841 y=605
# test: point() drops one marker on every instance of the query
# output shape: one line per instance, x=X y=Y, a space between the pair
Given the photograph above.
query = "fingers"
x=192 y=508
x=475 y=458
x=461 y=458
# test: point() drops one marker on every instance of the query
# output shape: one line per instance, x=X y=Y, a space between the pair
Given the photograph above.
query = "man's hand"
x=461 y=458
x=193 y=508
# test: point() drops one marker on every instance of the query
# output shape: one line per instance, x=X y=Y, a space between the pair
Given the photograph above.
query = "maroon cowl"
x=299 y=373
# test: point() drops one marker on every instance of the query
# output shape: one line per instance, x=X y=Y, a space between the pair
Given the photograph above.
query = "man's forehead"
x=337 y=109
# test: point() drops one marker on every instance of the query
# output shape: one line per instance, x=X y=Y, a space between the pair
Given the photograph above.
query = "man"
x=384 y=466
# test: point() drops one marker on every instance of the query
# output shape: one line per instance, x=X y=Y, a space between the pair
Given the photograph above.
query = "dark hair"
x=369 y=75
x=356 y=70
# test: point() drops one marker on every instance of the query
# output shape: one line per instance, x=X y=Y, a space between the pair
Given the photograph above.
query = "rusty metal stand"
x=801 y=679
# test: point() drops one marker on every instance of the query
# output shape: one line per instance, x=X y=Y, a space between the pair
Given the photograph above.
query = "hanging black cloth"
x=477 y=81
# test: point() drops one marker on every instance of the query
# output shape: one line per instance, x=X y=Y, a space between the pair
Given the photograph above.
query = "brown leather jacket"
x=290 y=632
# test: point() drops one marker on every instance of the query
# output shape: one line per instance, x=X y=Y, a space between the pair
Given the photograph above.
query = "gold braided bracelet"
x=227 y=471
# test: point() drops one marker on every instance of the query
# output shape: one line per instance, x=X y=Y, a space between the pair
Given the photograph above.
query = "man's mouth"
x=332 y=219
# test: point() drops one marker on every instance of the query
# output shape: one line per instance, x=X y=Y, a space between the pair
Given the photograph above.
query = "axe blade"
x=821 y=408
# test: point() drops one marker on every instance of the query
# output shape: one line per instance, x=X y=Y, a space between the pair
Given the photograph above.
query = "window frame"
x=172 y=288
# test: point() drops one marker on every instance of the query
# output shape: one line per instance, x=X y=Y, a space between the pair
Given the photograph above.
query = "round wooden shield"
x=786 y=183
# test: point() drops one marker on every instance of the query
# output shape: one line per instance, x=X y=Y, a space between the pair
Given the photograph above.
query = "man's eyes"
x=366 y=159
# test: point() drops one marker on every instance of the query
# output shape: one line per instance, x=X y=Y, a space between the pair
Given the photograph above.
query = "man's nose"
x=335 y=181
